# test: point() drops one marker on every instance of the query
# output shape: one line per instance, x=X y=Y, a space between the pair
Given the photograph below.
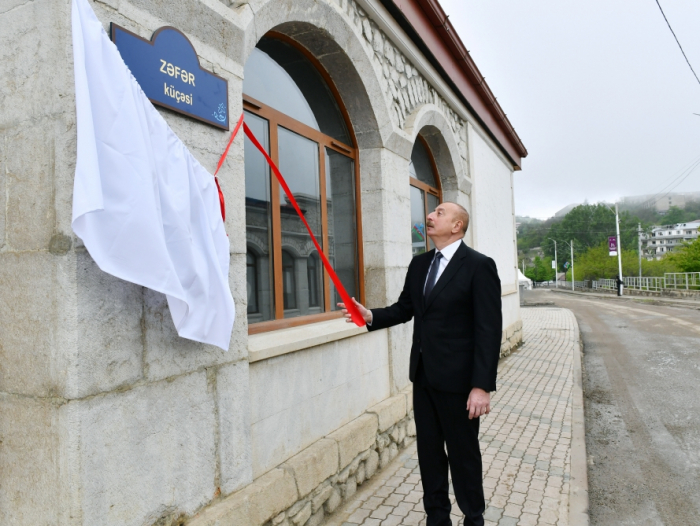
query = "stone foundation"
x=511 y=338
x=307 y=488
x=314 y=483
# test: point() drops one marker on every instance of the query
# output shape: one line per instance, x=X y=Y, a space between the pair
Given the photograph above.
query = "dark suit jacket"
x=458 y=327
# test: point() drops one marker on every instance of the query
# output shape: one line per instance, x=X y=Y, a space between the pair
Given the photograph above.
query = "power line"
x=684 y=173
x=677 y=42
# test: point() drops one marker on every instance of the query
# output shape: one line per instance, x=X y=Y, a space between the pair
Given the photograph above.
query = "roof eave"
x=432 y=28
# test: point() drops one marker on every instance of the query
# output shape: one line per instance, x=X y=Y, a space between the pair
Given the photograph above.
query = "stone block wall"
x=511 y=338
x=106 y=415
x=308 y=487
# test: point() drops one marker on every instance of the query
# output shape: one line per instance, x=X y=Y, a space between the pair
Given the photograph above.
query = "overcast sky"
x=598 y=91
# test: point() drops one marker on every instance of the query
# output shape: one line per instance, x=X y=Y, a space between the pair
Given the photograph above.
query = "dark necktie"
x=432 y=276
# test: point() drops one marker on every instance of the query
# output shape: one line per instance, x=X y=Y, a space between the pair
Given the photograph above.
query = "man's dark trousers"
x=456 y=343
x=442 y=419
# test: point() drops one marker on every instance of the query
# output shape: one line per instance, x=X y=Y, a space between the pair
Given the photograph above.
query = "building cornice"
x=433 y=33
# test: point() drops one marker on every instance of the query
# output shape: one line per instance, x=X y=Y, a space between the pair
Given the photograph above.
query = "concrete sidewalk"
x=532 y=443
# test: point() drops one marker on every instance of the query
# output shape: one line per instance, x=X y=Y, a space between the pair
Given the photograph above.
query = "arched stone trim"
x=430 y=122
x=328 y=34
x=257 y=243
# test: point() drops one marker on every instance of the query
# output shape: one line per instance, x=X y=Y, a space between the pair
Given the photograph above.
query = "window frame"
x=435 y=191
x=276 y=119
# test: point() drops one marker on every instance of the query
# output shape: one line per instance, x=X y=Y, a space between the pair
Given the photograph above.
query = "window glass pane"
x=252 y=282
x=259 y=219
x=289 y=280
x=421 y=167
x=418 y=235
x=268 y=82
x=342 y=227
x=433 y=203
x=298 y=158
x=314 y=277
x=280 y=76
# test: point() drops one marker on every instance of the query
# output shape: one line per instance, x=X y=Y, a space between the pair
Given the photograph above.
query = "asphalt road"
x=641 y=381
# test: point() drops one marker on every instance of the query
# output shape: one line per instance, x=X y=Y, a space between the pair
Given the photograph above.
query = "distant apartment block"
x=666 y=238
x=662 y=203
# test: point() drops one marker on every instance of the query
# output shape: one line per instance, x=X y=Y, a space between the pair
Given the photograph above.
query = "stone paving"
x=525 y=441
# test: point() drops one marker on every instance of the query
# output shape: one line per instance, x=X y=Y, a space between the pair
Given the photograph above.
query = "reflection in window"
x=313 y=277
x=289 y=281
x=258 y=218
x=252 y=282
x=342 y=228
x=421 y=165
x=418 y=235
x=424 y=195
x=280 y=76
x=295 y=115
x=298 y=161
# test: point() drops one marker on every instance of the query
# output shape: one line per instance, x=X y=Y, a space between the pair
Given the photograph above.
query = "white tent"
x=524 y=281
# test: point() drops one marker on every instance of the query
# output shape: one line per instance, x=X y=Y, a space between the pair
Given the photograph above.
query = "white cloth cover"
x=146 y=210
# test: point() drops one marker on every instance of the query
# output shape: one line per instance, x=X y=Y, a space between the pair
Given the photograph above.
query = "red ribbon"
x=222 y=203
x=349 y=303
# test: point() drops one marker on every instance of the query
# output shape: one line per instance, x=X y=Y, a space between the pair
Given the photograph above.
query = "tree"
x=674 y=215
x=591 y=225
x=533 y=233
x=541 y=271
x=596 y=263
x=686 y=257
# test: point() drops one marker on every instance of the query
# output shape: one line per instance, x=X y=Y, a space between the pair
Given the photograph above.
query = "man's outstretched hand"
x=365 y=313
x=478 y=403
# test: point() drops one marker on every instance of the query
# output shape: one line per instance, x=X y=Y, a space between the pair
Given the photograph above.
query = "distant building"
x=566 y=210
x=661 y=203
x=664 y=239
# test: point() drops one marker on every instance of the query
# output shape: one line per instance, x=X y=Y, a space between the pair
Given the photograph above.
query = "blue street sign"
x=167 y=69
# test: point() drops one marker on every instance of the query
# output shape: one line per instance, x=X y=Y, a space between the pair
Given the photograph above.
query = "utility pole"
x=639 y=232
x=556 y=264
x=572 y=266
x=619 y=248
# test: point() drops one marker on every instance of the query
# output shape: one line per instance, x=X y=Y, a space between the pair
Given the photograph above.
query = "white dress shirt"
x=447 y=253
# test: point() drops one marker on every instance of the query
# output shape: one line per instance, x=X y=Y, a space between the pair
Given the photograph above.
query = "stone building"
x=665 y=238
x=375 y=112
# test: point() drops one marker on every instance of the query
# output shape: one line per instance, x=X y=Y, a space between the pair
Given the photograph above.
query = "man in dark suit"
x=453 y=294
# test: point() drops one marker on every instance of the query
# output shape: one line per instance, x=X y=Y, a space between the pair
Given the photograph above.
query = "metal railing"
x=607 y=284
x=656 y=284
x=670 y=281
x=682 y=280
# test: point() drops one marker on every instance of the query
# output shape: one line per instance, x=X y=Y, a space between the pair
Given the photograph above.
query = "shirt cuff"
x=371 y=319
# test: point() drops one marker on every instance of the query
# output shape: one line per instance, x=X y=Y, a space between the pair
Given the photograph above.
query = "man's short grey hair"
x=462 y=215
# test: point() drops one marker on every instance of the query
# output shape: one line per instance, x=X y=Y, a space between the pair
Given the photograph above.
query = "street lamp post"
x=573 y=286
x=619 y=250
x=573 y=279
x=619 y=246
x=556 y=264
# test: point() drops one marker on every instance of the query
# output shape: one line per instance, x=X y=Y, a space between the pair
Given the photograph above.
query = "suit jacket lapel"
x=449 y=272
x=422 y=272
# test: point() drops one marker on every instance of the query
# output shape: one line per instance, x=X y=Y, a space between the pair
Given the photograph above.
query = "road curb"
x=637 y=299
x=578 y=483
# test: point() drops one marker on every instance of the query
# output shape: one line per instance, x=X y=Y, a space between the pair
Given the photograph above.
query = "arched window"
x=294 y=111
x=425 y=193
x=252 y=282
x=313 y=278
x=289 y=282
